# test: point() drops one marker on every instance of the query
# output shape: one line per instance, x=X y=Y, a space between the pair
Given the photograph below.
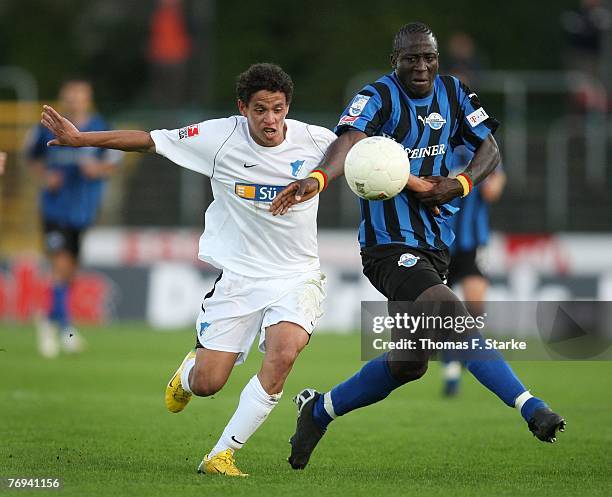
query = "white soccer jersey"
x=240 y=233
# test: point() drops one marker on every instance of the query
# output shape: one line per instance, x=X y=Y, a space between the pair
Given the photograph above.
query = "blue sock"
x=59 y=306
x=495 y=374
x=451 y=387
x=531 y=406
x=372 y=383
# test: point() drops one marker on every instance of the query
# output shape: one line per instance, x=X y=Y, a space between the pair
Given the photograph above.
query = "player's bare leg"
x=203 y=372
x=284 y=342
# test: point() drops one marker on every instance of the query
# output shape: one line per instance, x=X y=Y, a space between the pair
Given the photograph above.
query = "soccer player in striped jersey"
x=72 y=187
x=404 y=240
x=471 y=227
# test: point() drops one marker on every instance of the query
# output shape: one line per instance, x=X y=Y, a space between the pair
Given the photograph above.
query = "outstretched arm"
x=333 y=166
x=67 y=135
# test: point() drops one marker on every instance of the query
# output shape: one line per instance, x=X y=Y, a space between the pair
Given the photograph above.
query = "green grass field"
x=98 y=421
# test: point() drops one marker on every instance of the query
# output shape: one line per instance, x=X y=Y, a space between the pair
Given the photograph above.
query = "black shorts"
x=462 y=265
x=58 y=238
x=402 y=273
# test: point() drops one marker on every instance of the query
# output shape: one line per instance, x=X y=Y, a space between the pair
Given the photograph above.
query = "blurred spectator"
x=2 y=162
x=170 y=47
x=72 y=182
x=463 y=60
x=585 y=28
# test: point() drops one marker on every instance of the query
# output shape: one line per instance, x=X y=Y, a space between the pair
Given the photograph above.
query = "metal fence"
x=558 y=162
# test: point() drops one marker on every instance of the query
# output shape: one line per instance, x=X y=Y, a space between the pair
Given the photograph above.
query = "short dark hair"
x=409 y=29
x=263 y=76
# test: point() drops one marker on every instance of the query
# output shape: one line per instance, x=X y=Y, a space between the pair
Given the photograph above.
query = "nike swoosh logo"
x=250 y=165
x=237 y=441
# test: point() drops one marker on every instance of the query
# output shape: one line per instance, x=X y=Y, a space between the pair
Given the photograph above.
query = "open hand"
x=66 y=133
x=294 y=193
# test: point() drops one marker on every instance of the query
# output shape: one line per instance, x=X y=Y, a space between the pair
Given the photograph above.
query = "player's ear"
x=242 y=107
x=393 y=59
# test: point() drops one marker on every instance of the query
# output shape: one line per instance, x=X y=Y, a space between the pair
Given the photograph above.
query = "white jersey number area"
x=240 y=233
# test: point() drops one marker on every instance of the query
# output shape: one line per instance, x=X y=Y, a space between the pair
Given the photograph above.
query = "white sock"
x=253 y=409
x=452 y=370
x=519 y=402
x=185 y=374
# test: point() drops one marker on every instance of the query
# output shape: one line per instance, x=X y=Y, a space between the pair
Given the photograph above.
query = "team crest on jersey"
x=408 y=260
x=296 y=167
x=358 y=104
x=433 y=120
x=189 y=131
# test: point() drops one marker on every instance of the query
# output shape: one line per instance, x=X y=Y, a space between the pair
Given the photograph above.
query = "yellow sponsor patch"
x=246 y=191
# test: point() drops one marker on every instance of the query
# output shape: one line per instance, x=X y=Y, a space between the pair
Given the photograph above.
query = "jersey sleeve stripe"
x=222 y=145
x=313 y=140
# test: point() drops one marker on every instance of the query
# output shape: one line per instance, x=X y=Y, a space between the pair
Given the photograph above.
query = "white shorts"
x=239 y=307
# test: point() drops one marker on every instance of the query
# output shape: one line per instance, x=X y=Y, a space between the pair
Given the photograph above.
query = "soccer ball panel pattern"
x=377 y=168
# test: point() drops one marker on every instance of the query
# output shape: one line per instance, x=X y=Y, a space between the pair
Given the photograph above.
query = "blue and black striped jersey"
x=75 y=204
x=471 y=223
x=428 y=128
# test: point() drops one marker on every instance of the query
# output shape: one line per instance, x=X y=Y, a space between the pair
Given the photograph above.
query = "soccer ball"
x=377 y=168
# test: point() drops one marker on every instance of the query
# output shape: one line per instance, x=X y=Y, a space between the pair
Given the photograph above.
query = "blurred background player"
x=72 y=183
x=471 y=223
x=2 y=162
x=471 y=228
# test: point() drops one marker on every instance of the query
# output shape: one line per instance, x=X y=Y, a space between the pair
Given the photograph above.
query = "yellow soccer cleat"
x=221 y=464
x=176 y=396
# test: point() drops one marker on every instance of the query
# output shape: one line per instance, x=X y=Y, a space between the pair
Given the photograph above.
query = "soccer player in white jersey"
x=270 y=283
